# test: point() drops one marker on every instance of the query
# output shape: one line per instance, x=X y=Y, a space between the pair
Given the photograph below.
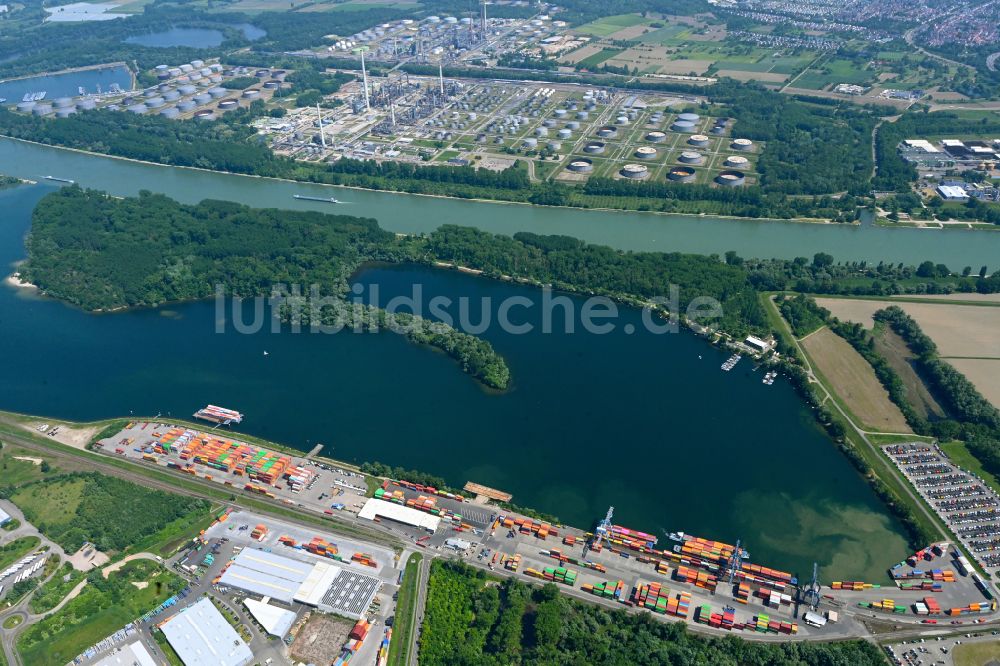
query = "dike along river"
x=628 y=231
x=648 y=423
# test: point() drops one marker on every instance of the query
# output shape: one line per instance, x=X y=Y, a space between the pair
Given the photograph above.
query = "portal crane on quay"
x=601 y=532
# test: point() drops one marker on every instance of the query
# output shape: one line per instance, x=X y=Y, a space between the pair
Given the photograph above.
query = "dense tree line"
x=973 y=417
x=470 y=621
x=511 y=178
x=803 y=315
x=98 y=516
x=104 y=253
x=575 y=266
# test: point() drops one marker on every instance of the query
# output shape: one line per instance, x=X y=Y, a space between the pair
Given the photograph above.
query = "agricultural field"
x=608 y=25
x=964 y=334
x=103 y=607
x=854 y=381
x=110 y=513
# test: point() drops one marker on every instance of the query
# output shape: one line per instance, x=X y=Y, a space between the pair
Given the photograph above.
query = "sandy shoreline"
x=14 y=280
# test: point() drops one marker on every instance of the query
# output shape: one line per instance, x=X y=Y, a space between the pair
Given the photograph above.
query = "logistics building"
x=133 y=654
x=276 y=621
x=376 y=508
x=327 y=585
x=201 y=636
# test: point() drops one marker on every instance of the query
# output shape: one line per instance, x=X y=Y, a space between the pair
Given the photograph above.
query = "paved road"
x=20 y=609
x=423 y=577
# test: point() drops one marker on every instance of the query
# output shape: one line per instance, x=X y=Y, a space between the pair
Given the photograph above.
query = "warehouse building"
x=133 y=654
x=276 y=621
x=376 y=508
x=201 y=636
x=267 y=574
x=324 y=584
x=952 y=193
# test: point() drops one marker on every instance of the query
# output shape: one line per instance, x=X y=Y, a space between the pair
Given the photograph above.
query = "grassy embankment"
x=404 y=626
x=98 y=611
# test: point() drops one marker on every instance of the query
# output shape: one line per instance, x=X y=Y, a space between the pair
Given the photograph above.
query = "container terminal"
x=711 y=584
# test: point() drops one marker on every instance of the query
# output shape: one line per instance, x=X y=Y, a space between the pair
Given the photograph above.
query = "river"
x=628 y=231
x=647 y=423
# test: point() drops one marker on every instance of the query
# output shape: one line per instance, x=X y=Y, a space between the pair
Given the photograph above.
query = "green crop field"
x=607 y=25
x=101 y=609
x=599 y=57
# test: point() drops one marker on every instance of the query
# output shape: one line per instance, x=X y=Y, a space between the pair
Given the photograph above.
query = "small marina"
x=731 y=362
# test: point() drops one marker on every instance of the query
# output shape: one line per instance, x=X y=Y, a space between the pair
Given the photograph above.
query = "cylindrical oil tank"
x=553 y=145
x=741 y=144
x=175 y=71
x=202 y=98
x=228 y=104
x=531 y=142
x=718 y=130
x=634 y=171
x=279 y=74
x=62 y=103
x=185 y=105
x=171 y=95
x=582 y=115
x=216 y=67
x=594 y=148
x=152 y=92
x=262 y=73
x=271 y=85
x=645 y=153
x=215 y=78
x=564 y=134
x=65 y=112
x=137 y=108
x=736 y=162
x=541 y=131
x=163 y=87
x=206 y=71
x=170 y=112
x=559 y=113
x=691 y=157
x=204 y=114
x=581 y=166
x=155 y=102
x=194 y=77
x=698 y=140
x=251 y=93
x=25 y=107
x=573 y=125
x=187 y=90
x=163 y=76
x=187 y=68
x=86 y=105
x=607 y=132
x=730 y=178
x=162 y=68
x=689 y=117
x=682 y=126
x=197 y=63
x=217 y=93
x=656 y=137
x=549 y=122
x=621 y=120
x=42 y=109
x=681 y=175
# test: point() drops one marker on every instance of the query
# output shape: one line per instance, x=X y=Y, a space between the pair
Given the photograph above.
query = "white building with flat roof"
x=133 y=654
x=376 y=508
x=201 y=636
x=952 y=193
x=276 y=621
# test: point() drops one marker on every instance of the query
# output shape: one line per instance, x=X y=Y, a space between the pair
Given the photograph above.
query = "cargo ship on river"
x=219 y=415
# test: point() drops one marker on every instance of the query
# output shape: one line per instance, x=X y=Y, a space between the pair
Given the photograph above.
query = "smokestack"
x=441 y=77
x=322 y=132
x=364 y=79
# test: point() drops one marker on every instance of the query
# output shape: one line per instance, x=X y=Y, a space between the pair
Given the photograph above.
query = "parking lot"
x=966 y=503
